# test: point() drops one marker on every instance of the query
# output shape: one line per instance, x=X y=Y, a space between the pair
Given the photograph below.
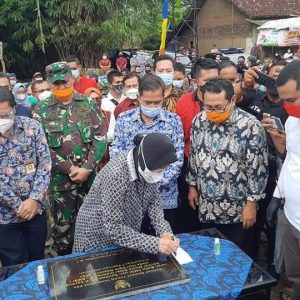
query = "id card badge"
x=29 y=167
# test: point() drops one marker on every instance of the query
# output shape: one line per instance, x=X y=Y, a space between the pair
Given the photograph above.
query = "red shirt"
x=84 y=83
x=121 y=63
x=187 y=108
x=105 y=63
x=125 y=105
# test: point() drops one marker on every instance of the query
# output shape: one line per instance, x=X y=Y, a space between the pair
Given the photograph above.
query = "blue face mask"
x=150 y=112
x=178 y=83
x=167 y=78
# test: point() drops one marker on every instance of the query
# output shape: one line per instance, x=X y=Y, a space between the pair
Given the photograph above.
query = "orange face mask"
x=63 y=95
x=217 y=117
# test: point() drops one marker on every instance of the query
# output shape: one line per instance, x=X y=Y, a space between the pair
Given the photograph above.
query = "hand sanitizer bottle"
x=217 y=246
x=40 y=274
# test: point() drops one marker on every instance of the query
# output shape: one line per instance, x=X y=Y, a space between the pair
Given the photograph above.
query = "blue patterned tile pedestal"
x=212 y=277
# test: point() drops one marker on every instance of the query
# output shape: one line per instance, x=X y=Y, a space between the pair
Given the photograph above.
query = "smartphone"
x=266 y=80
x=277 y=124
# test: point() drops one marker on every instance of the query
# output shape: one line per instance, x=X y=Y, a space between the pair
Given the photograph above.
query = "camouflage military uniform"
x=76 y=137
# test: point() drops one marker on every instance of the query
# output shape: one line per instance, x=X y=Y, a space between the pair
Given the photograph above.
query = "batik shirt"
x=25 y=166
x=228 y=165
x=129 y=124
x=113 y=211
x=171 y=100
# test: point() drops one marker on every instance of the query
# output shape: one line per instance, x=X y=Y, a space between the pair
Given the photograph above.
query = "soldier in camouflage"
x=75 y=133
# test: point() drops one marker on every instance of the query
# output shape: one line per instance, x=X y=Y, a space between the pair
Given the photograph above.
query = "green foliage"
x=83 y=27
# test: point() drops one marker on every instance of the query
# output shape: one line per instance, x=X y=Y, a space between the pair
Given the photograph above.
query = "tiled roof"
x=268 y=8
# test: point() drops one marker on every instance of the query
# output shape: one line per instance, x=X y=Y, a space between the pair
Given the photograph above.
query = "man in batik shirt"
x=228 y=165
x=25 y=165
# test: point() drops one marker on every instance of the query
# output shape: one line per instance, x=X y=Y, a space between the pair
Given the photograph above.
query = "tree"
x=86 y=28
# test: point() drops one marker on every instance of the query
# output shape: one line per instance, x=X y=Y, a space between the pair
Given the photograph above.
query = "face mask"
x=13 y=82
x=148 y=72
x=63 y=95
x=21 y=97
x=118 y=88
x=132 y=94
x=104 y=57
x=178 y=83
x=167 y=78
x=5 y=125
x=289 y=51
x=32 y=100
x=75 y=73
x=44 y=95
x=217 y=117
x=149 y=176
x=292 y=110
x=150 y=112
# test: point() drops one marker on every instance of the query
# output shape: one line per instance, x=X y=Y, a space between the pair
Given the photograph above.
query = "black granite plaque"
x=112 y=274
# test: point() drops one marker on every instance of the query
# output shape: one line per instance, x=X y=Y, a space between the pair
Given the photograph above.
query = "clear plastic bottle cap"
x=40 y=268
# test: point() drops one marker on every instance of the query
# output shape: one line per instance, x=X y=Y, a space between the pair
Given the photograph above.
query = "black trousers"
x=187 y=219
x=244 y=238
x=261 y=215
x=23 y=242
x=169 y=215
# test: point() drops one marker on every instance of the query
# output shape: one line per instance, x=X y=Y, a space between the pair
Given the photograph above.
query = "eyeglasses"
x=8 y=115
x=216 y=109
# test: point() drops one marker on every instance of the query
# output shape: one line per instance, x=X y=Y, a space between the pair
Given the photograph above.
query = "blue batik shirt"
x=25 y=167
x=228 y=165
x=129 y=124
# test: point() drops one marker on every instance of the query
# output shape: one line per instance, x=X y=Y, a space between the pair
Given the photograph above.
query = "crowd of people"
x=159 y=153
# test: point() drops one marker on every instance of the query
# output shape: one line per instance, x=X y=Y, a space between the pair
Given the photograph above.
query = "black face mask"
x=148 y=71
x=118 y=88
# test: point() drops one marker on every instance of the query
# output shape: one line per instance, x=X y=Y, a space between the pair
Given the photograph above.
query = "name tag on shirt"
x=29 y=167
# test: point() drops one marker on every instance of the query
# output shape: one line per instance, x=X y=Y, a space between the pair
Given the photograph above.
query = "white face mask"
x=75 y=73
x=44 y=95
x=132 y=94
x=149 y=176
x=13 y=82
x=22 y=96
x=5 y=125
